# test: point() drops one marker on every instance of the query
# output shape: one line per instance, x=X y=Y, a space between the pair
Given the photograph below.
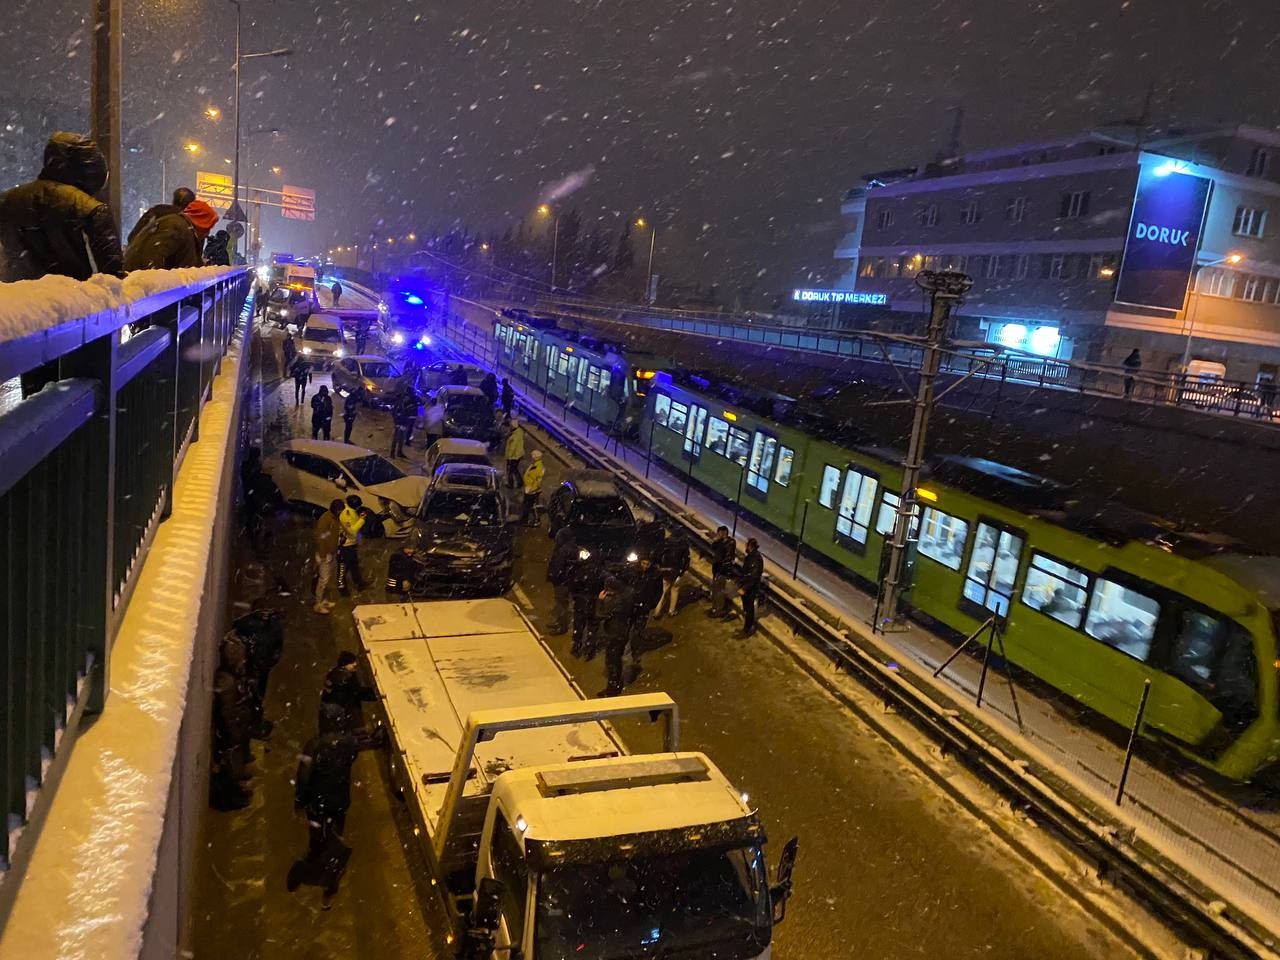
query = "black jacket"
x=322 y=407
x=233 y=713
x=300 y=371
x=508 y=396
x=563 y=556
x=164 y=244
x=613 y=615
x=152 y=213
x=752 y=571
x=648 y=589
x=217 y=252
x=323 y=782
x=54 y=224
x=675 y=557
x=722 y=553
x=263 y=634
x=343 y=687
x=350 y=406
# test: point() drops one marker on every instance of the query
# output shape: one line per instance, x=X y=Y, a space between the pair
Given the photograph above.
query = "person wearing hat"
x=532 y=486
x=173 y=240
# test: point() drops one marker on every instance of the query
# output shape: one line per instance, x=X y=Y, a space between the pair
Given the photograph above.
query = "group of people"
x=336 y=541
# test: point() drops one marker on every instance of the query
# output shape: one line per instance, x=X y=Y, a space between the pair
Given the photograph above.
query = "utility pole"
x=648 y=276
x=104 y=97
x=945 y=289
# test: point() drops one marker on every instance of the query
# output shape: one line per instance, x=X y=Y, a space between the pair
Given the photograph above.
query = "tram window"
x=661 y=409
x=830 y=482
x=679 y=417
x=1215 y=655
x=717 y=436
x=553 y=356
x=584 y=370
x=739 y=446
x=1056 y=590
x=593 y=378
x=1122 y=618
x=693 y=431
x=857 y=498
x=563 y=368
x=1196 y=648
x=764 y=449
x=888 y=514
x=786 y=459
x=606 y=377
x=993 y=566
x=942 y=537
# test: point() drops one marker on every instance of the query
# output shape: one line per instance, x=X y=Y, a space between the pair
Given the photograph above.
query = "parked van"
x=323 y=340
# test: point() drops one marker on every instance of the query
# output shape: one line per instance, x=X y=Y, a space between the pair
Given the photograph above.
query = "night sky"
x=735 y=126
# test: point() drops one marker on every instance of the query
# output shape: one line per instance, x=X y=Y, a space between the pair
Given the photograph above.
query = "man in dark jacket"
x=646 y=592
x=749 y=582
x=322 y=414
x=54 y=224
x=614 y=607
x=489 y=387
x=559 y=569
x=300 y=370
x=404 y=415
x=584 y=585
x=216 y=250
x=172 y=241
x=336 y=290
x=350 y=410
x=232 y=726
x=508 y=396
x=344 y=689
x=262 y=630
x=181 y=197
x=723 y=550
x=674 y=562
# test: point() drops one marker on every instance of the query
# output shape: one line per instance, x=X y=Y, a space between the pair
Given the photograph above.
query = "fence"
x=86 y=475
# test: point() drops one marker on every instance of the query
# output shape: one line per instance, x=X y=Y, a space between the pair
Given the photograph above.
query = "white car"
x=317 y=472
x=323 y=340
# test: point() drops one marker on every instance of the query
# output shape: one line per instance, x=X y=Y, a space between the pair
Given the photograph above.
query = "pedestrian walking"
x=350 y=410
x=723 y=554
x=614 y=606
x=300 y=370
x=336 y=290
x=322 y=792
x=674 y=562
x=350 y=522
x=290 y=351
x=262 y=630
x=433 y=421
x=324 y=539
x=532 y=489
x=181 y=198
x=508 y=396
x=404 y=413
x=346 y=692
x=232 y=726
x=513 y=452
x=585 y=580
x=55 y=225
x=749 y=583
x=1132 y=364
x=172 y=241
x=322 y=414
x=489 y=387
x=564 y=553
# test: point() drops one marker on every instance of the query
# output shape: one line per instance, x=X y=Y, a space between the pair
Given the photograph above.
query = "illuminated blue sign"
x=1164 y=234
x=841 y=296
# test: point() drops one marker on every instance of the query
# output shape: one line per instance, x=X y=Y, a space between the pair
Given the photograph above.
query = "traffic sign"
x=298 y=203
x=215 y=189
x=236 y=213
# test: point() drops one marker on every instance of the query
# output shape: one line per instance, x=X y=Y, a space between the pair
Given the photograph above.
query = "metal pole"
x=986 y=659
x=591 y=405
x=648 y=278
x=648 y=456
x=946 y=288
x=235 y=186
x=804 y=517
x=555 y=250
x=1133 y=740
x=164 y=180
x=1191 y=320
x=104 y=97
x=737 y=501
x=688 y=479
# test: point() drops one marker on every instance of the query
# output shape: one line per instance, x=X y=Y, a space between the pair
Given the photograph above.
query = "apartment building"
x=1087 y=247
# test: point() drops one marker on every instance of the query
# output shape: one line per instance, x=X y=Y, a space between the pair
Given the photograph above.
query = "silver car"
x=379 y=378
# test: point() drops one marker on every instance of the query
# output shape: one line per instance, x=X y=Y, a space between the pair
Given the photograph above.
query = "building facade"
x=1071 y=254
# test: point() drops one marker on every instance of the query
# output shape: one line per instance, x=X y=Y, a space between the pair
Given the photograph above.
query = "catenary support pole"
x=104 y=98
x=1133 y=740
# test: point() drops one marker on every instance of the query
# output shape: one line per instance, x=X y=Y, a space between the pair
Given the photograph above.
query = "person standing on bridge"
x=350 y=409
x=489 y=387
x=513 y=451
x=508 y=397
x=322 y=414
x=172 y=241
x=181 y=197
x=584 y=587
x=404 y=414
x=674 y=562
x=336 y=290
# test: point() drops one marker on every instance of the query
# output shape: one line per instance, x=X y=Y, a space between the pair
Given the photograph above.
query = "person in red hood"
x=174 y=240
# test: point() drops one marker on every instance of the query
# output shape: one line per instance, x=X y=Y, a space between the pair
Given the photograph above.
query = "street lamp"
x=653 y=240
x=1231 y=258
x=544 y=209
x=213 y=113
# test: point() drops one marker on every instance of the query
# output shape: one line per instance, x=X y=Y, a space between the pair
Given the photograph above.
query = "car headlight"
x=339 y=352
x=306 y=350
x=424 y=340
x=397 y=338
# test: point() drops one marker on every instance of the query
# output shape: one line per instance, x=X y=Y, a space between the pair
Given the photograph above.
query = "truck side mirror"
x=780 y=892
x=482 y=923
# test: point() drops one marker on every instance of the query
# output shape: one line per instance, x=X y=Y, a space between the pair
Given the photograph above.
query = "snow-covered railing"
x=115 y=373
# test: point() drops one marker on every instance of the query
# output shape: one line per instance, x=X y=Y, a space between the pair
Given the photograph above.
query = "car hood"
x=407 y=491
x=459 y=540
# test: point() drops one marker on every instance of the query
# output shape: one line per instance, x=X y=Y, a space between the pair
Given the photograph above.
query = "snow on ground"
x=31 y=306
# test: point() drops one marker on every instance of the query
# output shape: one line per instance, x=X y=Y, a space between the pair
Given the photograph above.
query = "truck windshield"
x=676 y=905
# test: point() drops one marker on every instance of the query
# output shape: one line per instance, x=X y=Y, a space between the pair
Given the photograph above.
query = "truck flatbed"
x=435 y=664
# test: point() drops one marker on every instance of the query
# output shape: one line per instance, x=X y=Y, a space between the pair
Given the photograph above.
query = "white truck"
x=548 y=839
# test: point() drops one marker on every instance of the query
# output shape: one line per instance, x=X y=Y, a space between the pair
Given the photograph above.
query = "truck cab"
x=625 y=857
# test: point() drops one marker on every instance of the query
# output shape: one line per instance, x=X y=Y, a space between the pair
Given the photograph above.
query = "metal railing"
x=87 y=466
x=1233 y=398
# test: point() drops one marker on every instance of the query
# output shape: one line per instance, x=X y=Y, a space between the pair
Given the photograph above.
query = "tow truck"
x=546 y=837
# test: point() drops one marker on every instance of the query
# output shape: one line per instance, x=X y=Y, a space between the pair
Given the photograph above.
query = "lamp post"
x=1231 y=258
x=544 y=209
x=104 y=95
x=648 y=274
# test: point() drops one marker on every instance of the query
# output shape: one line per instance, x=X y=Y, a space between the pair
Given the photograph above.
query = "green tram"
x=1094 y=600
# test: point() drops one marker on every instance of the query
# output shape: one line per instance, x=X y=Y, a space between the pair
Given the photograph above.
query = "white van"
x=323 y=340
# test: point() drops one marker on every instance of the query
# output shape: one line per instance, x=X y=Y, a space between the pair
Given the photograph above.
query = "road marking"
x=522 y=598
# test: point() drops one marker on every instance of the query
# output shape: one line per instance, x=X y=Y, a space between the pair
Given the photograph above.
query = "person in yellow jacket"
x=532 y=486
x=514 y=452
x=350 y=523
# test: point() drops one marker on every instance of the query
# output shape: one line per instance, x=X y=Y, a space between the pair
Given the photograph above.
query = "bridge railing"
x=87 y=467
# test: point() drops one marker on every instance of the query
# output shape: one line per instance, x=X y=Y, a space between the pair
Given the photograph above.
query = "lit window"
x=661 y=409
x=717 y=436
x=857 y=499
x=827 y=489
x=679 y=417
x=739 y=446
x=888 y=516
x=553 y=358
x=1056 y=590
x=1122 y=618
x=993 y=567
x=693 y=432
x=786 y=458
x=764 y=449
x=942 y=537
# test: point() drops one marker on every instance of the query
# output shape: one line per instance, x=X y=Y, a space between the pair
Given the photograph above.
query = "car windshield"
x=602 y=511
x=462 y=506
x=372 y=470
x=677 y=905
x=323 y=335
x=379 y=369
x=469 y=409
